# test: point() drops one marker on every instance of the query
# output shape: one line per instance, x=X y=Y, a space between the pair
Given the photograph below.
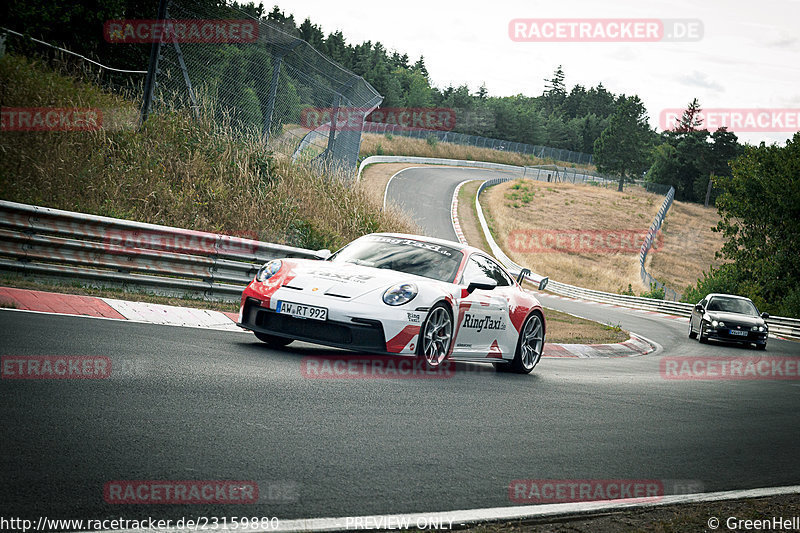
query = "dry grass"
x=545 y=206
x=567 y=329
x=375 y=144
x=176 y=171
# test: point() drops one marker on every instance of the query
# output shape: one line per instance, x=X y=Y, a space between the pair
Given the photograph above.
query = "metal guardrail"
x=655 y=227
x=788 y=327
x=112 y=252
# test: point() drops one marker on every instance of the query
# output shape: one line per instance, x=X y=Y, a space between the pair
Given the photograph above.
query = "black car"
x=728 y=318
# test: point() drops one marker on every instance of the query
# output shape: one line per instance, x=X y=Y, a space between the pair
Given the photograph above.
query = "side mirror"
x=765 y=315
x=698 y=308
x=484 y=284
x=543 y=283
x=522 y=273
x=322 y=254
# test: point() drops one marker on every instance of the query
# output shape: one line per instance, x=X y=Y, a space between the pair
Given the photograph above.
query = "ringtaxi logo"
x=55 y=367
x=353 y=118
x=594 y=30
x=730 y=368
x=180 y=492
x=742 y=120
x=538 y=491
x=578 y=241
x=181 y=31
x=50 y=119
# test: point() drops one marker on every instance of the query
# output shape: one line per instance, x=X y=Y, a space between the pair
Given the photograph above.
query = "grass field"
x=527 y=216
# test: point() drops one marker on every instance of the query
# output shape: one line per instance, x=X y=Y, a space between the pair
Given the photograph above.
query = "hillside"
x=540 y=225
x=176 y=171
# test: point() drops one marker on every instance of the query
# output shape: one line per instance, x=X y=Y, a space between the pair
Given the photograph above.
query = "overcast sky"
x=748 y=57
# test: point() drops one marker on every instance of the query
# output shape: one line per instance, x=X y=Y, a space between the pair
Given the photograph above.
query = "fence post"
x=152 y=68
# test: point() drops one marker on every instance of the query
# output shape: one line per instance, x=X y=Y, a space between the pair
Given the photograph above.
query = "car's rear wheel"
x=436 y=336
x=692 y=334
x=273 y=340
x=529 y=346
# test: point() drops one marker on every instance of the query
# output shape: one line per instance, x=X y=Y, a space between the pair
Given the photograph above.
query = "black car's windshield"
x=732 y=305
x=403 y=255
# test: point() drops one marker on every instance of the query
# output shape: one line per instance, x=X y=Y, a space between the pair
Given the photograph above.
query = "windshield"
x=732 y=305
x=403 y=255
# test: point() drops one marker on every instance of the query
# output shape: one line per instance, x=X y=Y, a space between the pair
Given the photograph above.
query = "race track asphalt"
x=195 y=404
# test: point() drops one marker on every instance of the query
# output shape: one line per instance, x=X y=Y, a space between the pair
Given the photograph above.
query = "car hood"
x=734 y=318
x=342 y=280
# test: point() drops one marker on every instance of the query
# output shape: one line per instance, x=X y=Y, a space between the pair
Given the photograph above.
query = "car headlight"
x=716 y=323
x=400 y=294
x=762 y=328
x=754 y=328
x=268 y=270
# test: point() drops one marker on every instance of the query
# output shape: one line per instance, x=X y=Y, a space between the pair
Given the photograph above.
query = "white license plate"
x=302 y=311
x=738 y=332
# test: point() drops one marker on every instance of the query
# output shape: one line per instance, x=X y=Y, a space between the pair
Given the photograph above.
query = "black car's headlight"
x=719 y=324
x=400 y=294
x=268 y=270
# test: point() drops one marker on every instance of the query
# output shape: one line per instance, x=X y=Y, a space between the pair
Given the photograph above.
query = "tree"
x=622 y=148
x=555 y=91
x=691 y=120
x=759 y=206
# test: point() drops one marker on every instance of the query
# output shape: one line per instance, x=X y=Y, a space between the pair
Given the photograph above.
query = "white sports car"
x=400 y=295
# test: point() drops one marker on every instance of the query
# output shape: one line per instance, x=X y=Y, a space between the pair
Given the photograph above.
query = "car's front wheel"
x=273 y=340
x=529 y=345
x=436 y=336
x=692 y=334
x=702 y=338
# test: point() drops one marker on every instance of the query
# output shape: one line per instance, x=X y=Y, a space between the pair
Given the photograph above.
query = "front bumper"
x=723 y=334
x=360 y=334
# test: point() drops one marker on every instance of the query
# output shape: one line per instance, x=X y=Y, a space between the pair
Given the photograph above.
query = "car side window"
x=481 y=266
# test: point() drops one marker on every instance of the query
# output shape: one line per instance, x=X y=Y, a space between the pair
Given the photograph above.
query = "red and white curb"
x=110 y=308
x=170 y=315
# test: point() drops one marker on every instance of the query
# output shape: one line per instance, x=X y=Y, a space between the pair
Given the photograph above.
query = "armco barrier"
x=120 y=253
x=647 y=279
x=107 y=251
